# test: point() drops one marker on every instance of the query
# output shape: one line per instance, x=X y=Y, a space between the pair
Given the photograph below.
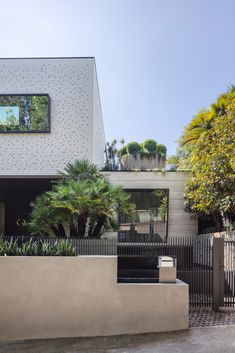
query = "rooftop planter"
x=147 y=155
x=142 y=162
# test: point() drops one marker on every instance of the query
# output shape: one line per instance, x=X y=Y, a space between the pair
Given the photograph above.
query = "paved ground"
x=204 y=317
x=204 y=340
x=210 y=332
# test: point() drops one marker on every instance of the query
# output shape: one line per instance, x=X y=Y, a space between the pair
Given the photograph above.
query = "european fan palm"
x=80 y=170
x=45 y=219
x=88 y=205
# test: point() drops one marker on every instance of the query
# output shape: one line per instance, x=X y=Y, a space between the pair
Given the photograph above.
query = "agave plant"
x=64 y=248
x=37 y=248
x=9 y=248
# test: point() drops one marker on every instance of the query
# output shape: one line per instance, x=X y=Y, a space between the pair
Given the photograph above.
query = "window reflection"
x=150 y=218
x=24 y=113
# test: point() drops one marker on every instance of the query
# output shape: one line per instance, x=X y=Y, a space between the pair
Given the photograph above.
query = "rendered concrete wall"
x=137 y=162
x=45 y=297
x=180 y=223
x=70 y=82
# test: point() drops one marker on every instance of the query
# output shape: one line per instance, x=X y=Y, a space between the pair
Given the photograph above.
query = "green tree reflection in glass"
x=25 y=113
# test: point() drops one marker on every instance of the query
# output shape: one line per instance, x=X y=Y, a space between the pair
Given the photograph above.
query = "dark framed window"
x=151 y=215
x=24 y=113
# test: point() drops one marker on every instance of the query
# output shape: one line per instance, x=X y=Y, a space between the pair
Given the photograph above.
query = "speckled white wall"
x=98 y=127
x=70 y=83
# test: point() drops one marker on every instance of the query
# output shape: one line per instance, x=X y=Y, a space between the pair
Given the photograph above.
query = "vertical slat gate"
x=229 y=272
x=194 y=263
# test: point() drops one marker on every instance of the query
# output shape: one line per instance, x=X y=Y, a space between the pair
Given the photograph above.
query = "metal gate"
x=229 y=272
x=197 y=271
x=206 y=264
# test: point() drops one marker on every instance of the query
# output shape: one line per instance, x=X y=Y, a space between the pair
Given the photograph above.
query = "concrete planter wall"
x=46 y=297
x=137 y=162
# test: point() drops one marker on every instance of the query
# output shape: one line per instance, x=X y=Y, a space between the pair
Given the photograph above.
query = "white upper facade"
x=77 y=130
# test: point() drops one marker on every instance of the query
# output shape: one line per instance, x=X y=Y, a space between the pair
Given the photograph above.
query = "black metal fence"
x=194 y=263
x=197 y=262
x=229 y=272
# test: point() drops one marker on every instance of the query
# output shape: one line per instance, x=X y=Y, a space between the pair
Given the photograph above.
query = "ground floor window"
x=151 y=215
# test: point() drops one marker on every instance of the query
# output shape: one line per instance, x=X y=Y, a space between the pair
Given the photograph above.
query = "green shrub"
x=161 y=150
x=9 y=248
x=148 y=149
x=61 y=247
x=133 y=148
x=64 y=248
x=78 y=204
x=150 y=146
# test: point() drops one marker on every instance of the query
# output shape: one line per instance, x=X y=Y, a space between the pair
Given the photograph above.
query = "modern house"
x=50 y=114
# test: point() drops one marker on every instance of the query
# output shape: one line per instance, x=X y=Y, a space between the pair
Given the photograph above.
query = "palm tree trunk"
x=82 y=221
x=55 y=230
x=99 y=225
x=73 y=231
x=61 y=230
x=91 y=227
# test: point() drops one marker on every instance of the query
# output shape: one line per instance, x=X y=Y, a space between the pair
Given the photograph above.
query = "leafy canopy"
x=208 y=143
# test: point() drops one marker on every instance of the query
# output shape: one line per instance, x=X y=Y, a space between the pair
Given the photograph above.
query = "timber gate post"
x=218 y=273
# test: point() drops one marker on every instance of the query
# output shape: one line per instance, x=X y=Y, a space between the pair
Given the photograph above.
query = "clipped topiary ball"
x=133 y=148
x=150 y=146
x=161 y=150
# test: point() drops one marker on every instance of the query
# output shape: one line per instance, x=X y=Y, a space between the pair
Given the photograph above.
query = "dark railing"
x=138 y=258
x=229 y=272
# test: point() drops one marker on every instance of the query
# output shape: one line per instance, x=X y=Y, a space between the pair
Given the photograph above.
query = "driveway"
x=204 y=340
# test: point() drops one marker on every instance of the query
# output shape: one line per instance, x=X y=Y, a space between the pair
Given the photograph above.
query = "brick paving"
x=204 y=317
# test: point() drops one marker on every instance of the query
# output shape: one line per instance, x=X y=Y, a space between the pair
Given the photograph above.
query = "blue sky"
x=8 y=111
x=158 y=61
